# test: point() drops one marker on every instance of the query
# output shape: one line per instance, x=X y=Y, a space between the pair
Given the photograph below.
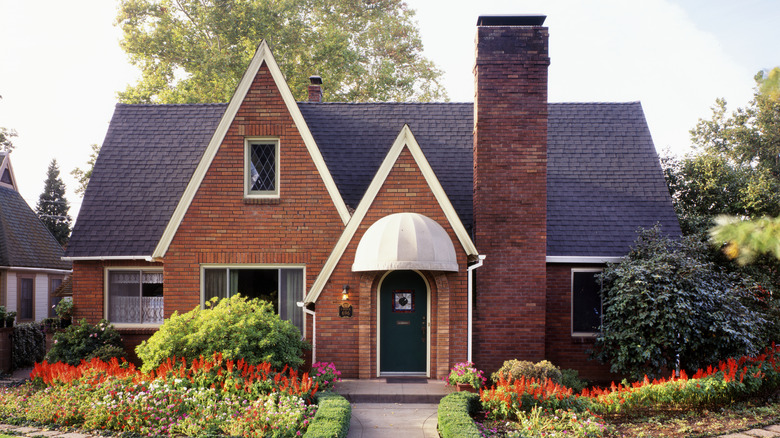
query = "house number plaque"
x=345 y=310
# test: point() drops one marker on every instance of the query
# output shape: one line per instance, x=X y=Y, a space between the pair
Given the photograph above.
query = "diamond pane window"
x=262 y=167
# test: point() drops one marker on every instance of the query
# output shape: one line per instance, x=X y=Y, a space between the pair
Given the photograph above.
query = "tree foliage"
x=6 y=144
x=83 y=175
x=53 y=207
x=197 y=50
x=744 y=240
x=667 y=302
x=706 y=185
x=750 y=135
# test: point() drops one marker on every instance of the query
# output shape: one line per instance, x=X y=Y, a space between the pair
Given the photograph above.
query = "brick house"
x=31 y=265
x=399 y=237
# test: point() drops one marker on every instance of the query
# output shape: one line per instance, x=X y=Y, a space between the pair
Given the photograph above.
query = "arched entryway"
x=403 y=322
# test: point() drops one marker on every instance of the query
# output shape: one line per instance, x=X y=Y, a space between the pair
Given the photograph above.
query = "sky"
x=61 y=65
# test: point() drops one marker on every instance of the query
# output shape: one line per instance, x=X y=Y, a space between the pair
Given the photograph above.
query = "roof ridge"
x=157 y=105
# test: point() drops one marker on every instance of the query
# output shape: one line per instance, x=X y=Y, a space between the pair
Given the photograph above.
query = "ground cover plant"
x=205 y=397
x=680 y=405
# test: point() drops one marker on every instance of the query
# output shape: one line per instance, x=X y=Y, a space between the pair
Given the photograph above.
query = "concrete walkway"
x=393 y=407
x=769 y=431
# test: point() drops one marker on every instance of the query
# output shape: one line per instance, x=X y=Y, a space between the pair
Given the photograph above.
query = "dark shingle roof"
x=145 y=163
x=604 y=179
x=24 y=241
x=354 y=138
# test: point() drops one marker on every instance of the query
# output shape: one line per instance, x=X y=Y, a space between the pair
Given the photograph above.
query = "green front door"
x=403 y=312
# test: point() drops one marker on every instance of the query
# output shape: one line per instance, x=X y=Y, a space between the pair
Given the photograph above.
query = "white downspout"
x=470 y=299
x=313 y=331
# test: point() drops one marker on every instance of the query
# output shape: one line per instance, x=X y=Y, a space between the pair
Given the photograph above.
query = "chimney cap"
x=511 y=20
x=315 y=80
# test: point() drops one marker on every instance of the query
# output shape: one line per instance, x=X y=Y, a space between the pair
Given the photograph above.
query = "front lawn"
x=206 y=397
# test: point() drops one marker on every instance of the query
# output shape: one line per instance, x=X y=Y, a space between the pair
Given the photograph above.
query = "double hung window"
x=135 y=297
x=26 y=295
x=585 y=301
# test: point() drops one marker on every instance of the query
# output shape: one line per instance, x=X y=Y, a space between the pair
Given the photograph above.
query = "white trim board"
x=262 y=56
x=584 y=259
x=405 y=140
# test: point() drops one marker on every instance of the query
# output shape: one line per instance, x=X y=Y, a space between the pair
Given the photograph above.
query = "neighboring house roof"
x=604 y=178
x=24 y=241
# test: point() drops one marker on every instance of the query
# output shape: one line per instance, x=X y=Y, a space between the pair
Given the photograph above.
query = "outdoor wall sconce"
x=345 y=293
x=345 y=310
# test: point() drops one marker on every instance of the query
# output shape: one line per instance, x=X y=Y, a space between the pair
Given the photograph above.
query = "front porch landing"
x=393 y=390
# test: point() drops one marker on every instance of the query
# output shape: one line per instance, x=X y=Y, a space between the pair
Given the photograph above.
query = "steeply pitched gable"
x=24 y=241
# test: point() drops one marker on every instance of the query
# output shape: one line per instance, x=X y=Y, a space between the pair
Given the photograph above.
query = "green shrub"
x=29 y=344
x=454 y=415
x=332 y=417
x=666 y=304
x=517 y=369
x=236 y=327
x=571 y=379
x=84 y=341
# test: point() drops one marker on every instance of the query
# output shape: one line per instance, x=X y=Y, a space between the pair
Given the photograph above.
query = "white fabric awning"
x=405 y=241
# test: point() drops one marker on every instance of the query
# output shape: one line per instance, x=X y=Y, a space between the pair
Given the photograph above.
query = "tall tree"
x=750 y=135
x=83 y=175
x=6 y=145
x=52 y=206
x=197 y=50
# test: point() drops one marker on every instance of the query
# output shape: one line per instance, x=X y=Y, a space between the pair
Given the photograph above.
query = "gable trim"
x=6 y=165
x=262 y=56
x=406 y=140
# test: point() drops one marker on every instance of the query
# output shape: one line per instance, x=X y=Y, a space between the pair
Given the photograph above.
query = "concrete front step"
x=392 y=390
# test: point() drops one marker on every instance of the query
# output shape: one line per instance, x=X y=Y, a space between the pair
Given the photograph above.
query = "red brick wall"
x=510 y=193
x=88 y=288
x=563 y=349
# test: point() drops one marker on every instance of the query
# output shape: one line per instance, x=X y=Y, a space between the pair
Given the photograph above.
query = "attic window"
x=6 y=178
x=261 y=169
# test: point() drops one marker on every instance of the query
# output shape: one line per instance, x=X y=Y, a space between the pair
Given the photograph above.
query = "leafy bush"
x=236 y=327
x=665 y=302
x=332 y=417
x=29 y=344
x=517 y=369
x=84 y=341
x=454 y=415
x=571 y=379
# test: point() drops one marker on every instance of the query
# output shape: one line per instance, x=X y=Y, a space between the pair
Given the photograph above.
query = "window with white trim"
x=280 y=286
x=26 y=310
x=585 y=301
x=261 y=168
x=135 y=297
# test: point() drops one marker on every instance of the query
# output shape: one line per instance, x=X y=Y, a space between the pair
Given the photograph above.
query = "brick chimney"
x=315 y=89
x=510 y=188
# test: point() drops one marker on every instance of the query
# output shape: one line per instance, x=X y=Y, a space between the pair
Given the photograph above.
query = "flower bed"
x=544 y=408
x=206 y=397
